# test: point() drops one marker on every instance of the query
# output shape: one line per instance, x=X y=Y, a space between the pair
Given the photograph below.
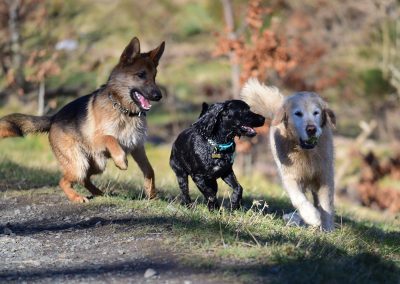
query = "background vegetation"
x=348 y=51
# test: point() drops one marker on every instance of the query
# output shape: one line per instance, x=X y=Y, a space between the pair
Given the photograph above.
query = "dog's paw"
x=293 y=219
x=310 y=214
x=186 y=200
x=121 y=162
x=80 y=199
x=213 y=204
x=235 y=205
x=151 y=193
x=328 y=224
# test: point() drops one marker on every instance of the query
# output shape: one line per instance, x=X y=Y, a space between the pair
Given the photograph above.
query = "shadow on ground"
x=317 y=262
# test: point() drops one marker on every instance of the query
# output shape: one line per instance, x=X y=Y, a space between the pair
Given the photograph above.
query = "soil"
x=46 y=239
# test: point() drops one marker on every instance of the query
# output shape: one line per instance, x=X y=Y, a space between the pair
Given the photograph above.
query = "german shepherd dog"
x=108 y=123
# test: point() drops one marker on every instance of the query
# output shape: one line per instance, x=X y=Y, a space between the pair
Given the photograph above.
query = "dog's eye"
x=298 y=113
x=141 y=75
x=316 y=113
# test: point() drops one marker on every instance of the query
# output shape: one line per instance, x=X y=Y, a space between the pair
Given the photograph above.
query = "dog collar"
x=219 y=149
x=116 y=105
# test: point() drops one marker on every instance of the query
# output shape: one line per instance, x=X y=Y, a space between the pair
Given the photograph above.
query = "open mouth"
x=140 y=100
x=310 y=143
x=248 y=131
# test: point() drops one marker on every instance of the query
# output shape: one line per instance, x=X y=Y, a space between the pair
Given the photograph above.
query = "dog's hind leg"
x=66 y=185
x=139 y=155
x=183 y=182
x=91 y=187
x=236 y=198
x=184 y=186
x=209 y=189
x=73 y=162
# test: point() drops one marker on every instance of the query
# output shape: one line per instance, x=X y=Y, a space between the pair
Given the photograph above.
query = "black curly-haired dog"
x=205 y=151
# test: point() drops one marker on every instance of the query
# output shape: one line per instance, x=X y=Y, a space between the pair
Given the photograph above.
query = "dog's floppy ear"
x=328 y=116
x=204 y=108
x=207 y=121
x=130 y=51
x=156 y=53
x=280 y=116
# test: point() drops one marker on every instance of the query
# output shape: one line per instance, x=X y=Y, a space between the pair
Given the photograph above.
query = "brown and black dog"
x=110 y=122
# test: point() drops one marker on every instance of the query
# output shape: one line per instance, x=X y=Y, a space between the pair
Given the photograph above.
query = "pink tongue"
x=144 y=102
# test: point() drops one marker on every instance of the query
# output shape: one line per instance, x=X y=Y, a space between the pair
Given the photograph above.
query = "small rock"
x=17 y=211
x=98 y=224
x=187 y=282
x=293 y=219
x=7 y=231
x=87 y=218
x=150 y=273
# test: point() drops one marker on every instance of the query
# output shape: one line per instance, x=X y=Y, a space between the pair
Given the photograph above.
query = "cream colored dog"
x=302 y=146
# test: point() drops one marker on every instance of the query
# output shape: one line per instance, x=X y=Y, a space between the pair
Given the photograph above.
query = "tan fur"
x=300 y=169
x=82 y=148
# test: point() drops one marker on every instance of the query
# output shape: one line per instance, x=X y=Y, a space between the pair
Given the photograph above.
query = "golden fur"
x=300 y=169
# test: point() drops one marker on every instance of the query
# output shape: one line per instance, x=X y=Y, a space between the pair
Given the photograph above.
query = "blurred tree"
x=255 y=47
x=14 y=16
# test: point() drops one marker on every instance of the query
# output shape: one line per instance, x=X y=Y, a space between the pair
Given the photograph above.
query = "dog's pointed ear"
x=156 y=53
x=204 y=108
x=130 y=51
x=207 y=122
x=328 y=116
x=280 y=116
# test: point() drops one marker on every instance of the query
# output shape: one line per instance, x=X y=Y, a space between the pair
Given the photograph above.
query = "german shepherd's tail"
x=16 y=124
x=262 y=99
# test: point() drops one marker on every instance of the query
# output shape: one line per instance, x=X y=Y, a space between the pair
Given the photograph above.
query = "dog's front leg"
x=236 y=198
x=307 y=211
x=139 y=155
x=209 y=188
x=326 y=206
x=116 y=151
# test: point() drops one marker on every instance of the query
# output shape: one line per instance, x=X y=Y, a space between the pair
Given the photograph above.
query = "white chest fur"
x=129 y=131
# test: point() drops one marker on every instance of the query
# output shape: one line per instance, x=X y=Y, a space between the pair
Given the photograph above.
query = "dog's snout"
x=257 y=120
x=156 y=95
x=311 y=130
x=261 y=120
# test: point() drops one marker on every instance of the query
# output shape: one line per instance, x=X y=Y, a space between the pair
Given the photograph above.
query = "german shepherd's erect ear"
x=156 y=53
x=130 y=51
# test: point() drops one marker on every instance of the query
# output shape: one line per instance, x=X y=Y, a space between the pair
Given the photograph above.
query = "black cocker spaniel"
x=206 y=150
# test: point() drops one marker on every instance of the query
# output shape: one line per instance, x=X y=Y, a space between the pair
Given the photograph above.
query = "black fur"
x=192 y=152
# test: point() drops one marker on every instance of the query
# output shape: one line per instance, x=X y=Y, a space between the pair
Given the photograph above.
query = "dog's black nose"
x=156 y=95
x=311 y=130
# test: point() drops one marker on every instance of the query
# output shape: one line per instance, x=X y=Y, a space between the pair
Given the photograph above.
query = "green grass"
x=253 y=243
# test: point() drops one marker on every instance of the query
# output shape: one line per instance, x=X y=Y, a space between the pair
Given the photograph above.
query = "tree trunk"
x=15 y=41
x=235 y=68
x=41 y=98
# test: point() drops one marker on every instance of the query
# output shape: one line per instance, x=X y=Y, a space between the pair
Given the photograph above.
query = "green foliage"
x=375 y=84
x=191 y=20
x=253 y=244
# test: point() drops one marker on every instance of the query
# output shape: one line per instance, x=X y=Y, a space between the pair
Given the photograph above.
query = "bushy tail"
x=262 y=99
x=17 y=124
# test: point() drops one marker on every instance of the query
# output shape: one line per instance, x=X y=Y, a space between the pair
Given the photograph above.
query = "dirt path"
x=45 y=239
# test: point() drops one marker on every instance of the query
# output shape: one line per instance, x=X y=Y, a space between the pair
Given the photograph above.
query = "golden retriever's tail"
x=262 y=99
x=16 y=124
